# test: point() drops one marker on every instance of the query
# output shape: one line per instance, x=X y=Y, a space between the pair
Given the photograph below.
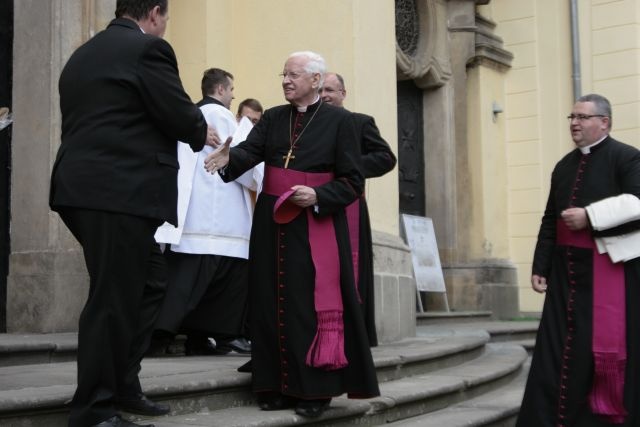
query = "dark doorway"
x=410 y=149
x=6 y=76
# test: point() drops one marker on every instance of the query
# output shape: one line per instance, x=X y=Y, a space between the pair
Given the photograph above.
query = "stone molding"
x=489 y=49
x=430 y=66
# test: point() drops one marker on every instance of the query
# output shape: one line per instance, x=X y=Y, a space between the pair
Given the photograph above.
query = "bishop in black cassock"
x=307 y=138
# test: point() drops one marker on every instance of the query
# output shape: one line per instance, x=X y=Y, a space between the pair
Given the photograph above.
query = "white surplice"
x=213 y=217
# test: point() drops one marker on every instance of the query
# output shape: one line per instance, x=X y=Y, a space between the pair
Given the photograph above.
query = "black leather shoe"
x=247 y=367
x=202 y=347
x=239 y=345
x=273 y=401
x=142 y=405
x=312 y=408
x=117 y=421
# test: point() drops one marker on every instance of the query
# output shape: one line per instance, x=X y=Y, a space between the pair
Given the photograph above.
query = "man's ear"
x=154 y=13
x=316 y=81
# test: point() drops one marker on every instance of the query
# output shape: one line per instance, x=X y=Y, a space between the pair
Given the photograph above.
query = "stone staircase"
x=458 y=371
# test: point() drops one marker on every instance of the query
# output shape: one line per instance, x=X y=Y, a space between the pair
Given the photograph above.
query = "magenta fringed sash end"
x=327 y=349
x=606 y=397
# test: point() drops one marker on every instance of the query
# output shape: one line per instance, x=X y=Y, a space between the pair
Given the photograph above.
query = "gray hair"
x=315 y=63
x=602 y=104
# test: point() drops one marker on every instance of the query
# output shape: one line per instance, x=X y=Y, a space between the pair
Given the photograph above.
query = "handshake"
x=219 y=158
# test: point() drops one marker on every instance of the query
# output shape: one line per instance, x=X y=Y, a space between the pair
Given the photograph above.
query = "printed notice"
x=421 y=238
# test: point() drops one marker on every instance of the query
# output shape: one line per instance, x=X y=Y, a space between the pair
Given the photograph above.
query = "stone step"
x=36 y=394
x=514 y=330
x=528 y=345
x=499 y=331
x=498 y=408
x=400 y=399
x=447 y=317
x=23 y=349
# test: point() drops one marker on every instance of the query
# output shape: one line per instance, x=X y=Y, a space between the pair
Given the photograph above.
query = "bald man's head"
x=333 y=91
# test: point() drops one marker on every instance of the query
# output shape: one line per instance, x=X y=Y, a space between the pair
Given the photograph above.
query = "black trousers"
x=127 y=274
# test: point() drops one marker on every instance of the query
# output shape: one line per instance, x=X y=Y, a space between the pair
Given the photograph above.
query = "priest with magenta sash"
x=584 y=370
x=308 y=333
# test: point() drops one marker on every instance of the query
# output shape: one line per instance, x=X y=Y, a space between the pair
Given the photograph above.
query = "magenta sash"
x=327 y=349
x=609 y=327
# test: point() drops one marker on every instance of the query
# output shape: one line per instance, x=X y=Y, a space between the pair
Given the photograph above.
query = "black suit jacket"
x=123 y=109
x=377 y=157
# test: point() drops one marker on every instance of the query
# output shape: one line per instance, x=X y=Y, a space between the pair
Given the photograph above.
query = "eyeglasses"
x=583 y=117
x=291 y=75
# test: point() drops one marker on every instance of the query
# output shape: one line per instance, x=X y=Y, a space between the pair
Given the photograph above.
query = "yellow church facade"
x=472 y=95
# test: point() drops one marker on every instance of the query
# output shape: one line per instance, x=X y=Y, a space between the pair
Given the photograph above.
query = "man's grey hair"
x=315 y=63
x=602 y=104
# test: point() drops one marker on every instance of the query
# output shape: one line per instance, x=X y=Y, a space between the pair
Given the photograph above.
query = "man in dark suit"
x=113 y=183
x=377 y=160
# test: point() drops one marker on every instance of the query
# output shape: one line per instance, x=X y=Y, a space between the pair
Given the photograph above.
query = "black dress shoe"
x=202 y=347
x=273 y=401
x=117 y=421
x=247 y=367
x=239 y=345
x=142 y=405
x=312 y=408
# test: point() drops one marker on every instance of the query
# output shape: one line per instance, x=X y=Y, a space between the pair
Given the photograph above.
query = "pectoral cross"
x=288 y=157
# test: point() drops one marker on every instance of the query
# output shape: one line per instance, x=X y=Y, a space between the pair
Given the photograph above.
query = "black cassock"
x=377 y=160
x=281 y=272
x=561 y=372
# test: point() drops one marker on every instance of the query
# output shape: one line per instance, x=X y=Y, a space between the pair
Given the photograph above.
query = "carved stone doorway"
x=6 y=67
x=410 y=149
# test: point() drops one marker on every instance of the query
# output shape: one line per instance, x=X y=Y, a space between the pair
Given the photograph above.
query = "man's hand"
x=218 y=158
x=575 y=218
x=303 y=196
x=539 y=283
x=213 y=139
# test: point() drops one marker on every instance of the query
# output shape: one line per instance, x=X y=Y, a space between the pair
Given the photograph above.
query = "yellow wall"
x=252 y=39
x=610 y=37
x=488 y=232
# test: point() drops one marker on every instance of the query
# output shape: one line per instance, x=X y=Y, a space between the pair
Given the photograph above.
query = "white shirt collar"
x=304 y=108
x=587 y=149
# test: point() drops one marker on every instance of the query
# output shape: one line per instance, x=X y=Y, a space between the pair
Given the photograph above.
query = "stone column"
x=476 y=279
x=47 y=282
x=447 y=46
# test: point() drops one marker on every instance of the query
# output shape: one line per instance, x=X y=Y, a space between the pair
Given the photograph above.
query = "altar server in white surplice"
x=207 y=253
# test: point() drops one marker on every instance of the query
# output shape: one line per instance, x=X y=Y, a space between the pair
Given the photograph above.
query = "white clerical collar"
x=303 y=109
x=587 y=149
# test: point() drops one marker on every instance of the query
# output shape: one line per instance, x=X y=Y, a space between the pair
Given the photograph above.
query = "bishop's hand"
x=219 y=158
x=303 y=196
